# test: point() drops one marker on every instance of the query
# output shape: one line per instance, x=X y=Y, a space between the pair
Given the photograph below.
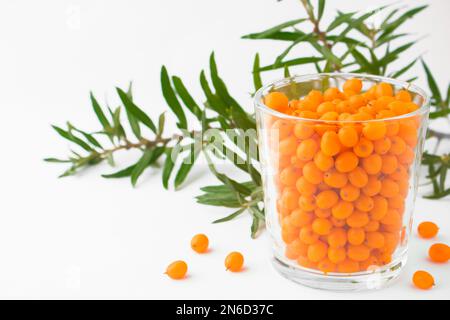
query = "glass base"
x=376 y=279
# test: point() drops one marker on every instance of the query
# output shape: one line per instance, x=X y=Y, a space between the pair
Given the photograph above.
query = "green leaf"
x=439 y=114
x=320 y=9
x=169 y=165
x=89 y=137
x=403 y=70
x=432 y=84
x=230 y=217
x=171 y=99
x=54 y=160
x=280 y=36
x=362 y=61
x=391 y=27
x=186 y=166
x=304 y=37
x=186 y=97
x=393 y=55
x=340 y=19
x=99 y=112
x=69 y=136
x=136 y=111
x=213 y=101
x=326 y=52
x=121 y=173
x=255 y=226
x=269 y=32
x=242 y=119
x=141 y=165
x=286 y=73
x=221 y=189
x=293 y=62
x=257 y=82
x=161 y=123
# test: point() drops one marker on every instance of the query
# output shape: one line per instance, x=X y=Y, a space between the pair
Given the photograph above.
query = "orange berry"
x=304 y=262
x=373 y=186
x=277 y=101
x=336 y=254
x=346 y=162
x=358 y=219
x=398 y=146
x=398 y=107
x=308 y=236
x=323 y=162
x=363 y=148
x=348 y=266
x=322 y=213
x=375 y=240
x=372 y=164
x=295 y=249
x=423 y=280
x=356 y=101
x=364 y=203
x=369 y=264
x=199 y=243
x=300 y=218
x=384 y=89
x=329 y=144
x=307 y=149
x=234 y=261
x=322 y=226
x=315 y=96
x=407 y=157
x=427 y=229
x=326 y=199
x=382 y=146
x=288 y=146
x=342 y=210
x=304 y=187
x=356 y=236
x=317 y=251
x=325 y=107
x=348 y=136
x=303 y=130
x=380 y=208
x=177 y=270
x=330 y=94
x=389 y=164
x=389 y=188
x=392 y=218
x=307 y=203
x=326 y=266
x=288 y=176
x=374 y=130
x=312 y=173
x=372 y=226
x=358 y=177
x=358 y=253
x=337 y=238
x=353 y=85
x=335 y=179
x=403 y=95
x=290 y=198
x=281 y=129
x=289 y=233
x=439 y=252
x=349 y=192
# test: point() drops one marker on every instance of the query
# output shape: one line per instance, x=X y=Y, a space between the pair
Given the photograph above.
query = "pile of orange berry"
x=177 y=270
x=342 y=173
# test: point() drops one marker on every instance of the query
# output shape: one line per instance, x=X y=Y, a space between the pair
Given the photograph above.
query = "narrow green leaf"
x=255 y=226
x=230 y=217
x=403 y=70
x=168 y=166
x=273 y=30
x=391 y=27
x=393 y=55
x=286 y=73
x=136 y=111
x=302 y=38
x=320 y=9
x=432 y=84
x=186 y=167
x=439 y=195
x=280 y=36
x=340 y=19
x=89 y=137
x=326 y=52
x=186 y=97
x=221 y=189
x=54 y=160
x=171 y=99
x=213 y=101
x=121 y=173
x=69 y=136
x=99 y=112
x=257 y=82
x=439 y=114
x=141 y=165
x=293 y=62
x=161 y=123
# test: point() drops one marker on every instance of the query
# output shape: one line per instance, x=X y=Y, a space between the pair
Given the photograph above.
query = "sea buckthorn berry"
x=307 y=203
x=382 y=146
x=372 y=164
x=363 y=148
x=277 y=101
x=380 y=208
x=337 y=238
x=282 y=129
x=177 y=270
x=342 y=210
x=389 y=188
x=337 y=254
x=312 y=174
x=358 y=253
x=398 y=107
x=315 y=96
x=335 y=179
x=346 y=162
x=370 y=264
x=396 y=202
x=392 y=128
x=358 y=177
x=348 y=136
x=398 y=146
x=374 y=130
x=353 y=85
x=300 y=218
x=439 y=252
x=356 y=101
x=403 y=95
x=326 y=266
x=322 y=226
x=289 y=233
x=326 y=199
x=330 y=94
x=407 y=157
x=307 y=149
x=364 y=203
x=338 y=223
x=297 y=163
x=348 y=266
x=373 y=186
x=288 y=176
x=304 y=187
x=423 y=280
x=326 y=107
x=306 y=263
x=295 y=249
x=375 y=240
x=358 y=219
x=199 y=243
x=329 y=144
x=308 y=236
x=234 y=261
x=391 y=241
x=290 y=198
x=392 y=217
x=307 y=114
x=372 y=226
x=356 y=236
x=349 y=192
x=317 y=251
x=288 y=146
x=384 y=89
x=400 y=173
x=303 y=130
x=323 y=162
x=322 y=213
x=389 y=164
x=427 y=229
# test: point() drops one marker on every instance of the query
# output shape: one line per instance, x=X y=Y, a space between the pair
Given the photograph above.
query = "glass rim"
x=425 y=108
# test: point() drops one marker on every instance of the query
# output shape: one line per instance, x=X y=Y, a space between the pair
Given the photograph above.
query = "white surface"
x=86 y=237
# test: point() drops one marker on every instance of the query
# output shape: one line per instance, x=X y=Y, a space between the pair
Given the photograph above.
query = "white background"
x=87 y=237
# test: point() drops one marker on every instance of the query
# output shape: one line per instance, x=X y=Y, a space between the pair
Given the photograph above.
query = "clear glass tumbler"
x=369 y=209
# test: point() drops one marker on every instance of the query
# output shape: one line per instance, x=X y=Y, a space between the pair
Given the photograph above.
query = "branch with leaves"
x=347 y=44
